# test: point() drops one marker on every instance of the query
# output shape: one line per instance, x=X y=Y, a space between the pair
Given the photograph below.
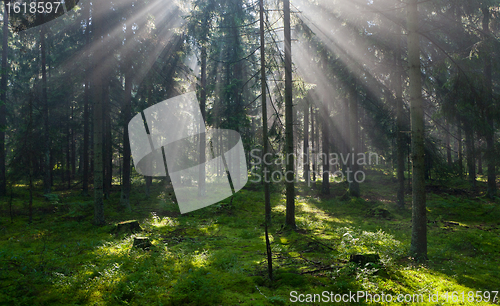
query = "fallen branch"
x=319 y=270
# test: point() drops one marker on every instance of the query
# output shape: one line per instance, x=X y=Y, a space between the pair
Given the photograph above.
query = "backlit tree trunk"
x=98 y=77
x=418 y=248
x=353 y=135
x=306 y=160
x=490 y=131
x=399 y=128
x=125 y=192
x=46 y=169
x=290 y=186
x=3 y=99
x=265 y=139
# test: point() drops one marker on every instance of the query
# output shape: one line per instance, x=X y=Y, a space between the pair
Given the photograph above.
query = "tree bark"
x=108 y=151
x=46 y=169
x=353 y=135
x=98 y=76
x=325 y=186
x=203 y=105
x=399 y=128
x=289 y=175
x=306 y=158
x=3 y=98
x=490 y=131
x=460 y=149
x=418 y=248
x=265 y=139
x=125 y=192
x=86 y=153
x=313 y=143
x=471 y=155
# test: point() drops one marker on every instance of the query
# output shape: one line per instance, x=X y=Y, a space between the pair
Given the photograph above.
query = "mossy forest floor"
x=216 y=256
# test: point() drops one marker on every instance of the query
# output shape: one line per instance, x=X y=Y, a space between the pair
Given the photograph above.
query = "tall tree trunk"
x=354 y=134
x=460 y=149
x=149 y=179
x=68 y=146
x=98 y=70
x=471 y=155
x=267 y=194
x=479 y=161
x=314 y=152
x=345 y=132
x=125 y=192
x=265 y=139
x=47 y=164
x=448 y=144
x=399 y=128
x=306 y=159
x=108 y=148
x=86 y=153
x=325 y=186
x=289 y=175
x=490 y=132
x=73 y=144
x=418 y=248
x=3 y=98
x=203 y=106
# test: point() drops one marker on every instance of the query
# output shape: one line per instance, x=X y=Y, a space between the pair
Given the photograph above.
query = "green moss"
x=217 y=255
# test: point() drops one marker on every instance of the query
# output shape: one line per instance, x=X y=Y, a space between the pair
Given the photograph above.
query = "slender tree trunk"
x=265 y=139
x=354 y=134
x=30 y=205
x=125 y=192
x=313 y=151
x=73 y=144
x=418 y=248
x=98 y=147
x=400 y=128
x=149 y=179
x=306 y=159
x=3 y=98
x=490 y=131
x=203 y=106
x=471 y=155
x=68 y=147
x=479 y=161
x=448 y=145
x=108 y=151
x=325 y=186
x=289 y=175
x=98 y=78
x=345 y=132
x=47 y=169
x=86 y=153
x=30 y=158
x=460 y=149
x=267 y=194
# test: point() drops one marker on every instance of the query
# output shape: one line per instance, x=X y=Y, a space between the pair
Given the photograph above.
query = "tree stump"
x=142 y=242
x=131 y=226
x=363 y=259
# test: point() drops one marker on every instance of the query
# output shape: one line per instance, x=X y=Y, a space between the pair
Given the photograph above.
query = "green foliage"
x=196 y=287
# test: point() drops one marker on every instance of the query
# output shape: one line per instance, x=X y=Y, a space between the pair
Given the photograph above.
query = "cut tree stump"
x=363 y=259
x=131 y=226
x=142 y=242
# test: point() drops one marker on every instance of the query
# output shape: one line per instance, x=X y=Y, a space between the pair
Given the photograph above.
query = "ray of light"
x=122 y=40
